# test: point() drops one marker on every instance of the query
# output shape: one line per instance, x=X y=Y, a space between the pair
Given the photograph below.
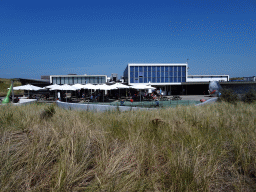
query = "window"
x=166 y=73
x=141 y=74
x=153 y=74
x=145 y=80
x=62 y=80
x=179 y=79
x=58 y=80
x=158 y=79
x=179 y=71
x=54 y=80
x=149 y=73
x=171 y=79
x=70 y=80
x=166 y=79
x=132 y=69
x=83 y=80
x=145 y=68
x=131 y=74
x=162 y=79
x=145 y=73
x=136 y=81
x=183 y=79
x=149 y=79
x=141 y=80
x=132 y=80
x=140 y=69
x=149 y=68
x=75 y=80
x=136 y=74
x=166 y=68
x=153 y=80
x=136 y=68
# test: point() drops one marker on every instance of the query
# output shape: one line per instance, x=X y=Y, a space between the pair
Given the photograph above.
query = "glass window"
x=145 y=80
x=132 y=80
x=179 y=71
x=158 y=68
x=136 y=68
x=153 y=68
x=70 y=80
x=136 y=81
x=162 y=68
x=183 y=73
x=158 y=73
x=58 y=80
x=140 y=68
x=153 y=80
x=149 y=68
x=149 y=79
x=171 y=68
x=131 y=74
x=158 y=79
x=170 y=73
x=62 y=80
x=54 y=80
x=141 y=74
x=145 y=73
x=183 y=79
x=153 y=74
x=149 y=73
x=183 y=69
x=166 y=79
x=166 y=73
x=171 y=79
x=83 y=80
x=179 y=79
x=162 y=73
x=141 y=80
x=136 y=73
x=166 y=68
x=132 y=69
x=175 y=79
x=162 y=79
x=66 y=80
x=145 y=68
x=87 y=80
x=75 y=80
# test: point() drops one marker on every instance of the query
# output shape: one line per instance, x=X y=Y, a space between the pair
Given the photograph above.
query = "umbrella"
x=122 y=86
x=141 y=86
x=104 y=87
x=66 y=88
x=54 y=87
x=28 y=87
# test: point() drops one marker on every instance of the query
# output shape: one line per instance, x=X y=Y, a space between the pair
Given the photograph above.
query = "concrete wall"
x=97 y=108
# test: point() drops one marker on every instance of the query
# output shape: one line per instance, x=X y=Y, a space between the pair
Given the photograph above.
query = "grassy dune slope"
x=5 y=84
x=208 y=148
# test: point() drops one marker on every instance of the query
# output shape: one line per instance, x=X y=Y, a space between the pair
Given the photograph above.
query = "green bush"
x=250 y=96
x=228 y=95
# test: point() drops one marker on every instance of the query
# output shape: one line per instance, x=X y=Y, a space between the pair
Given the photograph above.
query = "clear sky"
x=102 y=37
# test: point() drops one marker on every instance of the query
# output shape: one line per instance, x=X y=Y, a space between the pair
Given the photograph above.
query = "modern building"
x=172 y=78
x=156 y=74
x=74 y=79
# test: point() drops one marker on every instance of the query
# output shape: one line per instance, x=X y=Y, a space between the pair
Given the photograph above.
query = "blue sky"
x=102 y=37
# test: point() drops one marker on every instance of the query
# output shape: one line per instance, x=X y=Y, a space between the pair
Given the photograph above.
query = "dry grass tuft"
x=207 y=148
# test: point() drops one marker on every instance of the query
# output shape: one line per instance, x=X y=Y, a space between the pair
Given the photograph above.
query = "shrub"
x=250 y=96
x=228 y=95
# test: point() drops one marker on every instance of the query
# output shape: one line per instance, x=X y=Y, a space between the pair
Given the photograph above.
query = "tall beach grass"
x=187 y=148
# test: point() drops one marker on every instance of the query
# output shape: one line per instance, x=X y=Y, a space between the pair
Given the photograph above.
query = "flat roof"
x=161 y=64
x=76 y=75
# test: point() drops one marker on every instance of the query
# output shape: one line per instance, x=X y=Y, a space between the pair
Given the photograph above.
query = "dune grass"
x=187 y=148
x=5 y=84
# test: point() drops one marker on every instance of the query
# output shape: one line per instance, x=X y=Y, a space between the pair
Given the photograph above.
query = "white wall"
x=204 y=78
